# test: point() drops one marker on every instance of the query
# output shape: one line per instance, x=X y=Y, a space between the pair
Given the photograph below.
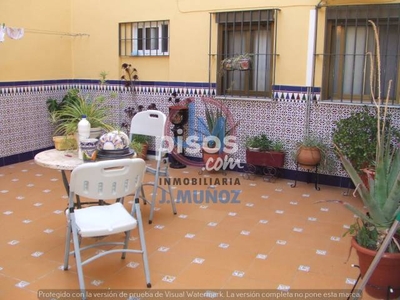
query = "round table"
x=59 y=160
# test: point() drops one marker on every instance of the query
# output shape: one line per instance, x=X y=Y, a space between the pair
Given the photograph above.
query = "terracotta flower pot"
x=308 y=156
x=387 y=273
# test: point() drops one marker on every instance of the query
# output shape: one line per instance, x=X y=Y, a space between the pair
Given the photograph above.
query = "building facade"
x=309 y=63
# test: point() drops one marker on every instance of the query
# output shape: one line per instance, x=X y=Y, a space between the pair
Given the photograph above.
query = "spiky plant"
x=216 y=124
x=69 y=115
x=382 y=196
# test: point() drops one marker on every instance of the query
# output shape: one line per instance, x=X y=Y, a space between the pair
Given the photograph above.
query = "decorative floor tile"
x=297 y=229
x=163 y=249
x=238 y=273
x=312 y=219
x=48 y=230
x=279 y=211
x=13 y=242
x=335 y=238
x=168 y=278
x=22 y=284
x=223 y=245
x=182 y=216
x=321 y=252
x=351 y=281
x=263 y=221
x=281 y=242
x=304 y=268
x=232 y=214
x=245 y=232
x=37 y=254
x=97 y=282
x=133 y=265
x=159 y=227
x=189 y=235
x=198 y=260
x=283 y=287
x=261 y=256
x=212 y=224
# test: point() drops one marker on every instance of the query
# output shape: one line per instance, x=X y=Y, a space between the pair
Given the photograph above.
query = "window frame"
x=355 y=17
x=133 y=40
x=243 y=23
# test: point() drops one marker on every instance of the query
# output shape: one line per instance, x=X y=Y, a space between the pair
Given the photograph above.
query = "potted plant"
x=269 y=154
x=240 y=62
x=215 y=128
x=140 y=144
x=381 y=201
x=67 y=114
x=356 y=137
x=312 y=151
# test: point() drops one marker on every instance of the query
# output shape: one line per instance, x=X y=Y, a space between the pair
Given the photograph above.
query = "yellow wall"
x=189 y=37
x=36 y=56
x=44 y=56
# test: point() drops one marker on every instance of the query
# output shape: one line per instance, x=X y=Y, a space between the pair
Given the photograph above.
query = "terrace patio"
x=276 y=238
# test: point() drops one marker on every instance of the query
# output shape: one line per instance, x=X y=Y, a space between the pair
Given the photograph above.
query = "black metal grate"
x=253 y=34
x=144 y=38
x=349 y=37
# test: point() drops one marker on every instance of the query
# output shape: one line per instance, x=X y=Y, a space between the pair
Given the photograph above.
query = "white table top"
x=60 y=160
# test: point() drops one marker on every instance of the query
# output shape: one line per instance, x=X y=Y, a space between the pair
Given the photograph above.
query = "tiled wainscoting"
x=25 y=128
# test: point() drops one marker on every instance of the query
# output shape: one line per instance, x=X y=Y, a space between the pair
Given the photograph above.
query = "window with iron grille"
x=249 y=33
x=349 y=37
x=144 y=38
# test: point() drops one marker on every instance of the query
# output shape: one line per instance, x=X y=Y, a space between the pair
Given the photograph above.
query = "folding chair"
x=152 y=123
x=105 y=180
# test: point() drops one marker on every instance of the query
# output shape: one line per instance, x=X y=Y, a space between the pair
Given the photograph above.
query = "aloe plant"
x=382 y=196
x=215 y=124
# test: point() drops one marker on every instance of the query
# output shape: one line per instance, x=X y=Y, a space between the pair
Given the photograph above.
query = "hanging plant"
x=241 y=62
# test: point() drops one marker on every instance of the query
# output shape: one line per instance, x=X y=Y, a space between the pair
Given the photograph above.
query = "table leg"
x=66 y=185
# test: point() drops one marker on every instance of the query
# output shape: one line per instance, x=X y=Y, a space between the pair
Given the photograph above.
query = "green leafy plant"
x=277 y=146
x=138 y=142
x=261 y=142
x=381 y=198
x=356 y=137
x=240 y=62
x=68 y=113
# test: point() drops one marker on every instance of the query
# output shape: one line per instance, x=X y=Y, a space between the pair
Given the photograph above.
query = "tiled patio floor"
x=277 y=237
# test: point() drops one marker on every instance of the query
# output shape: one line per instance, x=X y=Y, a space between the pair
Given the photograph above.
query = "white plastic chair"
x=105 y=180
x=152 y=123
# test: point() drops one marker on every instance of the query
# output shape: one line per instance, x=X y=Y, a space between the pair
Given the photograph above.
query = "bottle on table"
x=83 y=133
